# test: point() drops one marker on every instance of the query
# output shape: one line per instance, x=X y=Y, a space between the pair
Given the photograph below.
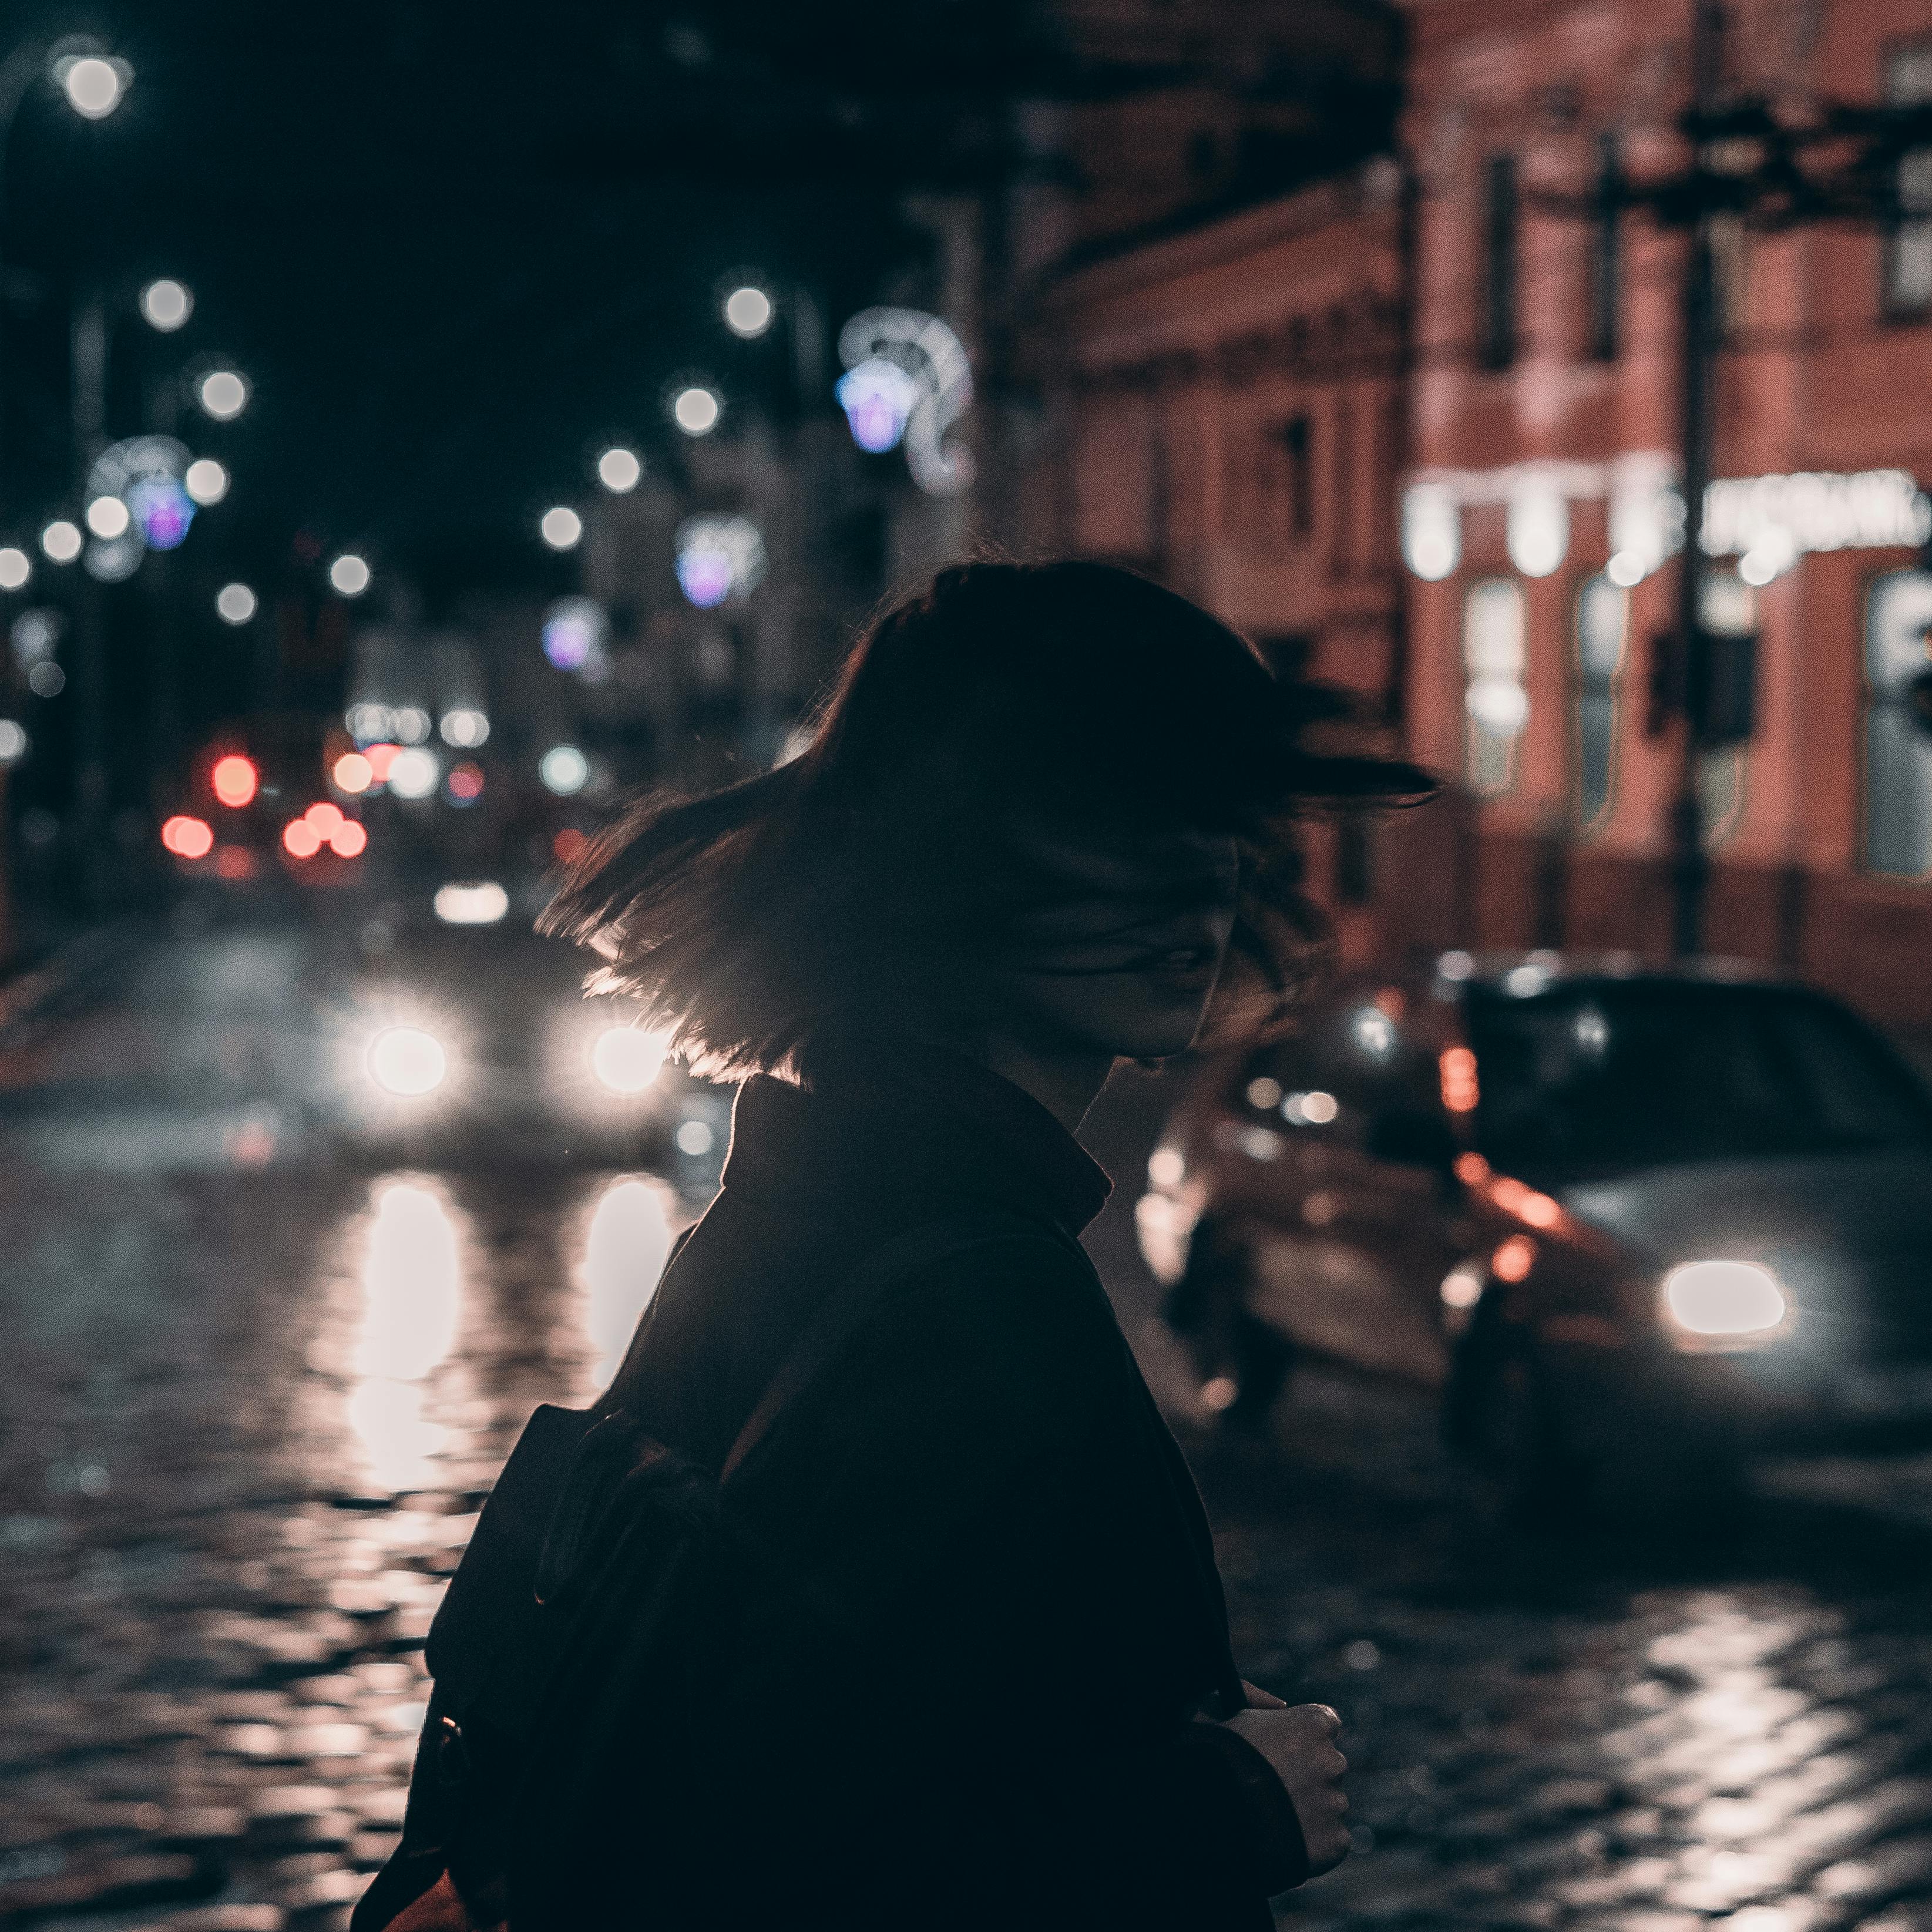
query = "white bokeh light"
x=349 y=574
x=234 y=603
x=413 y=773
x=747 y=311
x=166 y=305
x=564 y=770
x=223 y=394
x=465 y=727
x=696 y=410
x=15 y=567
x=561 y=527
x=626 y=1059
x=60 y=540
x=407 y=1061
x=205 y=481
x=93 y=84
x=619 y=470
x=108 y=517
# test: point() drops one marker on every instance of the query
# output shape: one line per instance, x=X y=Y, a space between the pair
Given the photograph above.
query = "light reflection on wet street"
x=257 y=1388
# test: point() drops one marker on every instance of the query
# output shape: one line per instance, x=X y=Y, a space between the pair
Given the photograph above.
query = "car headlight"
x=407 y=1061
x=1718 y=1298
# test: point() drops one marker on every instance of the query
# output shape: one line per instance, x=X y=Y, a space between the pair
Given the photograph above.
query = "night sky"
x=458 y=250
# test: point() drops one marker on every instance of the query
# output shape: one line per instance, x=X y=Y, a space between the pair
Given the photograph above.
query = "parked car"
x=1634 y=1223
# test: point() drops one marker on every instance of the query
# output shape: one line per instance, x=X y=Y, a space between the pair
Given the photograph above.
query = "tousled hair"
x=870 y=881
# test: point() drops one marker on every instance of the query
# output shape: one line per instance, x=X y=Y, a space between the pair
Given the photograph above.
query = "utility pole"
x=1690 y=866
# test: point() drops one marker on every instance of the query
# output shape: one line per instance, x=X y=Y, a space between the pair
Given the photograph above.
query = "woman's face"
x=1123 y=959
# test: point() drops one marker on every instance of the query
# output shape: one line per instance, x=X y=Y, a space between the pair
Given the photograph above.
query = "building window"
x=1908 y=247
x=1898 y=750
x=1297 y=445
x=1602 y=624
x=1496 y=705
x=1497 y=321
x=1606 y=252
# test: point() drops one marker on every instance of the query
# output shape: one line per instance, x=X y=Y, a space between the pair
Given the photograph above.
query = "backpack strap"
x=838 y=1318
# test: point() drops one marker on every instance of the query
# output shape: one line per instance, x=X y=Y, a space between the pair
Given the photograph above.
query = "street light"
x=234 y=603
x=205 y=481
x=108 y=517
x=93 y=83
x=561 y=527
x=349 y=574
x=223 y=394
x=695 y=409
x=61 y=541
x=748 y=312
x=166 y=305
x=15 y=567
x=619 y=470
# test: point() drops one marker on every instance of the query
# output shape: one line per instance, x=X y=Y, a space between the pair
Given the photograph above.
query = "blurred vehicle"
x=452 y=1034
x=1634 y=1223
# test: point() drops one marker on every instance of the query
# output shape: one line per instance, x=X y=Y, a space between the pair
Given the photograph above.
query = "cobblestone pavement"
x=254 y=1398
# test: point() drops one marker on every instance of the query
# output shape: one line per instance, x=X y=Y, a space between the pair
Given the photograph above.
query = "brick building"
x=1528 y=431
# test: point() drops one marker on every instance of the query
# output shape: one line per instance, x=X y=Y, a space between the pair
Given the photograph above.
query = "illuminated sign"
x=1766 y=522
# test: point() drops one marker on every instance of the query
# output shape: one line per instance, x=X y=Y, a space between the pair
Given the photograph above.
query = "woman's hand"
x=1299 y=1741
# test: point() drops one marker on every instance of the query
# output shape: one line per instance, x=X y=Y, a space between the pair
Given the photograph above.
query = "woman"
x=1041 y=829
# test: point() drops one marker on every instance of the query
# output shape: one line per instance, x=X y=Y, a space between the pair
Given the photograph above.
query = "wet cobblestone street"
x=254 y=1399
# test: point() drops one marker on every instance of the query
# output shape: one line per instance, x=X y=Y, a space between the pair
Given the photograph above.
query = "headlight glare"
x=1724 y=1298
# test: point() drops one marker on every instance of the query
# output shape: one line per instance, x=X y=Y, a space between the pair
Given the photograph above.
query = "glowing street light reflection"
x=624 y=1251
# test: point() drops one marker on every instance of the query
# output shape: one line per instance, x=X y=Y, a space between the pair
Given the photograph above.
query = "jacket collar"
x=923 y=1123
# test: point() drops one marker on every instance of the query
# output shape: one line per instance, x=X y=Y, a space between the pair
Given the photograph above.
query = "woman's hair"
x=872 y=880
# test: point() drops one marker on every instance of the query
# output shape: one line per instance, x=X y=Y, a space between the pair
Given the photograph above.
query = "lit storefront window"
x=1603 y=620
x=1496 y=705
x=1898 y=751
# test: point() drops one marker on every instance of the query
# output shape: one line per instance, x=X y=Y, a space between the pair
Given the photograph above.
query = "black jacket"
x=990 y=1719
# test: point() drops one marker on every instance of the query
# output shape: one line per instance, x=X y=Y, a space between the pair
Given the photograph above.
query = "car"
x=1634 y=1223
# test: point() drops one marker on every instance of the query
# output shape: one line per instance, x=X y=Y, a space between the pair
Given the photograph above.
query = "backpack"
x=590 y=1614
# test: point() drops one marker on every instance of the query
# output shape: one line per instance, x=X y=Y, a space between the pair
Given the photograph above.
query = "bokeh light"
x=234 y=603
x=301 y=838
x=205 y=481
x=93 y=84
x=352 y=773
x=747 y=311
x=564 y=770
x=108 y=517
x=348 y=840
x=696 y=410
x=13 y=741
x=877 y=398
x=407 y=1061
x=164 y=511
x=349 y=574
x=60 y=540
x=626 y=1059
x=187 y=837
x=471 y=902
x=234 y=780
x=619 y=470
x=325 y=815
x=561 y=527
x=465 y=783
x=15 y=567
x=223 y=394
x=166 y=305
x=413 y=773
x=465 y=727
x=573 y=632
